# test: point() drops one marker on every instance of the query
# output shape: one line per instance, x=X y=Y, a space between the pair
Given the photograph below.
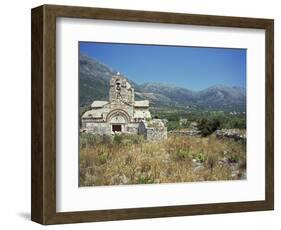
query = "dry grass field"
x=130 y=159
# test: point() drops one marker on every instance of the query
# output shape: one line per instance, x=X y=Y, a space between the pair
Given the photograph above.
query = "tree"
x=208 y=126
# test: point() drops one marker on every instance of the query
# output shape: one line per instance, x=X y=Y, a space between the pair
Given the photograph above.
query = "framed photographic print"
x=140 y=114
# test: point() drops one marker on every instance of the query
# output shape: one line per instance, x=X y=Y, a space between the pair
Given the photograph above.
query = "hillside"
x=94 y=85
x=93 y=80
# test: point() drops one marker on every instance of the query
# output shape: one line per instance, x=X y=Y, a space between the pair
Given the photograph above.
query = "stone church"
x=122 y=114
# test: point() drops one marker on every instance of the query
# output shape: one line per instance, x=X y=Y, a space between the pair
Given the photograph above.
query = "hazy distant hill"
x=94 y=85
x=222 y=96
x=177 y=95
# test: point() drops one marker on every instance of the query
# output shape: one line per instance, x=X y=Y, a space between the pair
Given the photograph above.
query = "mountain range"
x=94 y=79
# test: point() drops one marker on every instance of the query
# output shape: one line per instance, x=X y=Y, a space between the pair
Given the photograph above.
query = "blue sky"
x=193 y=68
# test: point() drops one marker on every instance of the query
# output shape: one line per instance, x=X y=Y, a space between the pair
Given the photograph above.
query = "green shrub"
x=135 y=138
x=173 y=117
x=208 y=126
x=102 y=159
x=237 y=123
x=199 y=157
x=173 y=125
x=88 y=140
x=145 y=180
x=127 y=139
x=183 y=154
x=106 y=140
x=117 y=139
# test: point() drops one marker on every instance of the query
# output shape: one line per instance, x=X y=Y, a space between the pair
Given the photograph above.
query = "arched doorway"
x=118 y=119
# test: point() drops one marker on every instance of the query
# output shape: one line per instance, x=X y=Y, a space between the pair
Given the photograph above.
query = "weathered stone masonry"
x=122 y=114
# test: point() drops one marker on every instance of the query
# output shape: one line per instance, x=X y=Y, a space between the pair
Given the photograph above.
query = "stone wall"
x=132 y=128
x=123 y=110
x=98 y=128
x=153 y=130
x=156 y=134
x=104 y=128
x=120 y=89
x=236 y=134
x=128 y=109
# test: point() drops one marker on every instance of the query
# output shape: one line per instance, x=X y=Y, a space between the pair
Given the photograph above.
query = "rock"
x=234 y=173
x=235 y=134
x=198 y=167
x=193 y=125
x=186 y=132
x=123 y=179
x=119 y=179
x=243 y=176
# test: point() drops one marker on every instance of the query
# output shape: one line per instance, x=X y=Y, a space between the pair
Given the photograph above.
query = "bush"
x=183 y=154
x=106 y=140
x=208 y=126
x=102 y=159
x=173 y=122
x=145 y=180
x=200 y=157
x=172 y=125
x=117 y=139
x=127 y=139
x=237 y=123
x=88 y=140
x=135 y=138
x=173 y=117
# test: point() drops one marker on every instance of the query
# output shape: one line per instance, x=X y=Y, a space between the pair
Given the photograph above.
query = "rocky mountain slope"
x=94 y=79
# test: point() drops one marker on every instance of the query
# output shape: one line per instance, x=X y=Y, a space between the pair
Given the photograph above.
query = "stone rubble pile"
x=235 y=134
x=186 y=132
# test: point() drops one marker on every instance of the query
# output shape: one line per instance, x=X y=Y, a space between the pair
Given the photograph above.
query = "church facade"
x=122 y=114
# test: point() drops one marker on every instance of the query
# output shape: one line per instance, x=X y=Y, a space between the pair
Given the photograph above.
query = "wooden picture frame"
x=43 y=189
